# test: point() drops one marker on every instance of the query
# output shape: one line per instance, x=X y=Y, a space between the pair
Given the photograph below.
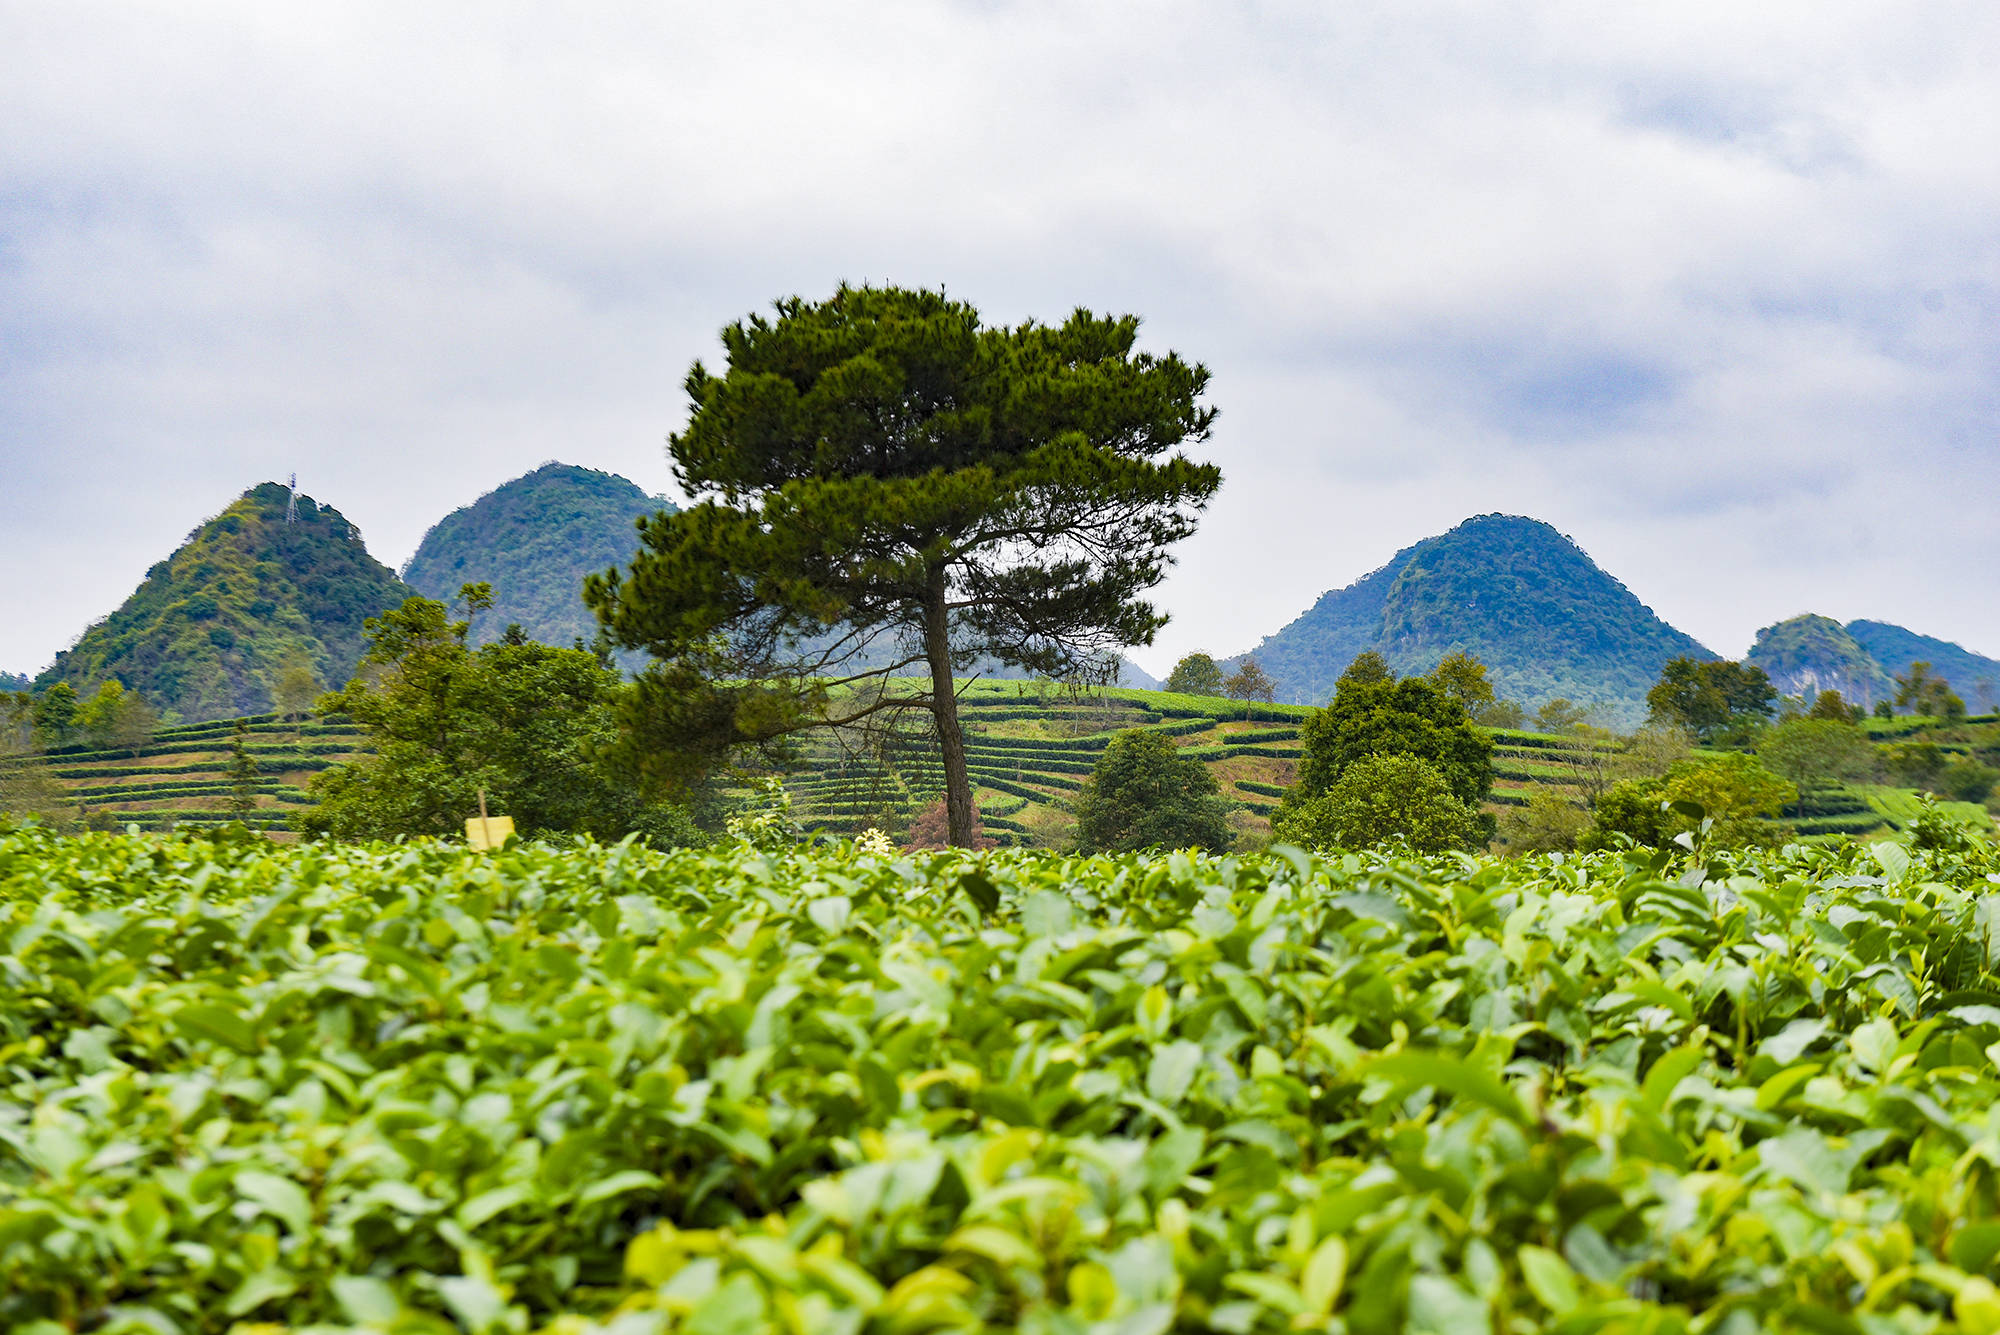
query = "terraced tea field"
x=182 y=777
x=1028 y=750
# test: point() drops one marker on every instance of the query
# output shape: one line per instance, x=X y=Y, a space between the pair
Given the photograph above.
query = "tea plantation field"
x=413 y=1088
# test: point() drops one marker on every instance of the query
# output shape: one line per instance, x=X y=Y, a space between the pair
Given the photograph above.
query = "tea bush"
x=411 y=1088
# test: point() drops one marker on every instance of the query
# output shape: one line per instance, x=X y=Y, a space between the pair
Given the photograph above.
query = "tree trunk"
x=944 y=708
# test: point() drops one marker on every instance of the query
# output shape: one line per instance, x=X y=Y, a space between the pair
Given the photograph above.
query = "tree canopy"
x=1410 y=716
x=882 y=483
x=1143 y=793
x=1383 y=799
x=1196 y=674
x=1711 y=699
x=525 y=721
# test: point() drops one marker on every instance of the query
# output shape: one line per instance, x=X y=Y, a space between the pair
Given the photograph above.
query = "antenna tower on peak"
x=292 y=507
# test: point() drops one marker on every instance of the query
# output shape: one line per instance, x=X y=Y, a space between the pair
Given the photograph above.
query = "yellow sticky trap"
x=488 y=831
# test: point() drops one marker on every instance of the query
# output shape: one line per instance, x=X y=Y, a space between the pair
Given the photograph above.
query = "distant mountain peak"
x=210 y=627
x=533 y=539
x=1512 y=591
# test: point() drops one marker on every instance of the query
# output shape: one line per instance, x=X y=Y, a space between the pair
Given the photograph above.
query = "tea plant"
x=409 y=1088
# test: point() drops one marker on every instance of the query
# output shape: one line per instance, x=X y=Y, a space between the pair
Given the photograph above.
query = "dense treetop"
x=533 y=541
x=1511 y=592
x=211 y=628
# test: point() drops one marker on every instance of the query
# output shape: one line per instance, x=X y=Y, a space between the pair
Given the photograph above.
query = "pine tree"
x=883 y=484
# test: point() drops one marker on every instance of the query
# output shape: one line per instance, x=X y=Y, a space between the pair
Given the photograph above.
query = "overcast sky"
x=1712 y=288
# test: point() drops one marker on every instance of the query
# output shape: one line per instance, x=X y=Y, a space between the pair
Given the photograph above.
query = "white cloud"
x=1715 y=289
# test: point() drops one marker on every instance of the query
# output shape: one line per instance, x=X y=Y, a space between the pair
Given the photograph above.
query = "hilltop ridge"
x=1509 y=590
x=209 y=629
x=534 y=538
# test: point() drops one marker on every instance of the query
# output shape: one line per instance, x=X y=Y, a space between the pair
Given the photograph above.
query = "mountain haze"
x=1512 y=592
x=210 y=628
x=534 y=539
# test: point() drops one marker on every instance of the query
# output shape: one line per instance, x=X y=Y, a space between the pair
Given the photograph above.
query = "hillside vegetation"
x=213 y=626
x=534 y=539
x=607 y=1090
x=1513 y=593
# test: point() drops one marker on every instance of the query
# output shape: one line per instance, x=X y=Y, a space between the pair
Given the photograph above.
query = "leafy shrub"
x=1382 y=800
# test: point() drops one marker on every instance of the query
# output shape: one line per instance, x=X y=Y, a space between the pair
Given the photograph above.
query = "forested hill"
x=213 y=625
x=1512 y=592
x=13 y=681
x=534 y=539
x=1809 y=654
x=1975 y=677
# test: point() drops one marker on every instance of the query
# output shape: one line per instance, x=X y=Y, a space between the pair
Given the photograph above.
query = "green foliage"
x=1196 y=674
x=1914 y=764
x=56 y=716
x=1511 y=592
x=1381 y=800
x=207 y=631
x=1717 y=701
x=526 y=722
x=1548 y=823
x=1382 y=718
x=1725 y=799
x=1145 y=794
x=1920 y=691
x=1966 y=780
x=883 y=482
x=243 y=775
x=1561 y=717
x=1832 y=707
x=1811 y=751
x=1463 y=678
x=534 y=540
x=605 y=1090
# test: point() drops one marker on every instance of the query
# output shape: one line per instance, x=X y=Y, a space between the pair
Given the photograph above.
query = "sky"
x=1712 y=288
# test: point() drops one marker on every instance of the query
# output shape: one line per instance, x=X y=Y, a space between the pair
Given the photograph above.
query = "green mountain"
x=1975 y=677
x=1512 y=592
x=209 y=630
x=1809 y=654
x=12 y=681
x=534 y=539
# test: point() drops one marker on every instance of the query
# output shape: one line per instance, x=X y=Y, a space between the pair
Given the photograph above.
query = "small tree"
x=1561 y=717
x=1715 y=701
x=295 y=692
x=1966 y=780
x=243 y=775
x=1366 y=668
x=1549 y=823
x=1463 y=678
x=1196 y=674
x=1811 y=751
x=1383 y=799
x=1249 y=683
x=55 y=716
x=1829 y=706
x=1384 y=716
x=1143 y=793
